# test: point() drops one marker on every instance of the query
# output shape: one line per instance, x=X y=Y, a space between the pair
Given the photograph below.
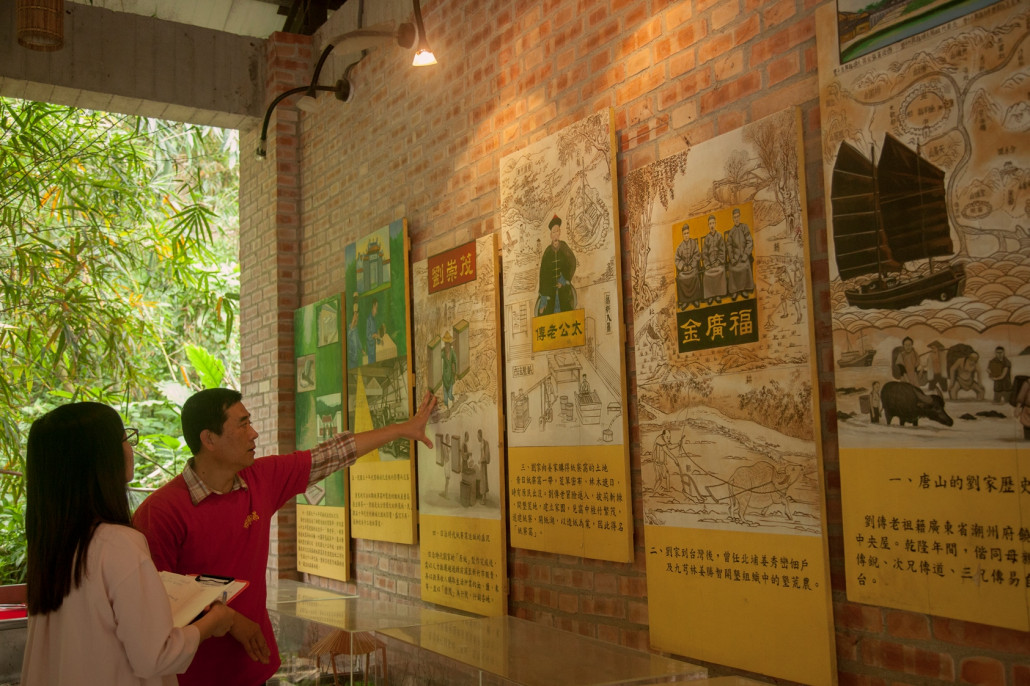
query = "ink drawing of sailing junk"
x=927 y=167
x=563 y=353
x=720 y=315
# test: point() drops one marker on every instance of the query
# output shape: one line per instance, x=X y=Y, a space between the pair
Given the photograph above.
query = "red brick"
x=783 y=68
x=732 y=119
x=715 y=46
x=729 y=66
x=726 y=12
x=778 y=12
x=846 y=646
x=746 y=30
x=982 y=671
x=606 y=583
x=633 y=586
x=608 y=633
x=797 y=93
x=908 y=625
x=783 y=40
x=848 y=679
x=682 y=64
x=678 y=13
x=637 y=612
x=641 y=36
x=568 y=602
x=731 y=92
x=907 y=659
x=856 y=616
x=981 y=636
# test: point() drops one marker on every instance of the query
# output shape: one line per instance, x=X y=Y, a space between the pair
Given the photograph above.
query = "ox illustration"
x=759 y=486
x=908 y=403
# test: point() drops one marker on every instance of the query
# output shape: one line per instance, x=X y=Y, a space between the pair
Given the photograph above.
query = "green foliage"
x=118 y=244
x=210 y=368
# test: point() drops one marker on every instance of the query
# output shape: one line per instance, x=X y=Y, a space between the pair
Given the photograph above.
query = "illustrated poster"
x=322 y=541
x=461 y=478
x=926 y=158
x=382 y=483
x=731 y=469
x=564 y=361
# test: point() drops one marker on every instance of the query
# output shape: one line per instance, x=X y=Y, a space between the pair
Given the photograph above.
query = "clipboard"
x=189 y=594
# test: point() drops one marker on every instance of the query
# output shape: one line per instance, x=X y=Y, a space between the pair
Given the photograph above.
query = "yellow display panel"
x=719 y=589
x=463 y=565
x=941 y=532
x=569 y=501
x=322 y=541
x=381 y=498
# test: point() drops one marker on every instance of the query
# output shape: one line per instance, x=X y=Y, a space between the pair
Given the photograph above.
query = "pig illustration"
x=908 y=403
x=759 y=486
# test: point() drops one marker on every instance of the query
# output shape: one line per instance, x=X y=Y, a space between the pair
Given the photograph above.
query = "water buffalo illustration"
x=759 y=486
x=908 y=403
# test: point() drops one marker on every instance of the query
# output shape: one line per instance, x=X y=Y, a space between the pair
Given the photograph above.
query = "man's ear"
x=207 y=439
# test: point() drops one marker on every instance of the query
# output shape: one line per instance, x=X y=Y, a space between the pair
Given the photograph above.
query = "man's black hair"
x=206 y=410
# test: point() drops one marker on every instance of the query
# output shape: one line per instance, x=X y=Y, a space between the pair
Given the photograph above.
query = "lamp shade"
x=40 y=24
x=424 y=57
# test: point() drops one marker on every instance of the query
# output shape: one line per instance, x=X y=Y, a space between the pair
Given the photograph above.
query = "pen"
x=224 y=595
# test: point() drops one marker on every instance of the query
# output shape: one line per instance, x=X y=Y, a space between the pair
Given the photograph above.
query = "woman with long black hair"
x=98 y=612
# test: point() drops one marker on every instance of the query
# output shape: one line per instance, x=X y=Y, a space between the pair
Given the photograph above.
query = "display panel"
x=461 y=478
x=322 y=540
x=382 y=483
x=734 y=523
x=563 y=338
x=925 y=160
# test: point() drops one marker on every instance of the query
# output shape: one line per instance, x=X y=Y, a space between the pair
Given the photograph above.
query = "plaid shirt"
x=335 y=454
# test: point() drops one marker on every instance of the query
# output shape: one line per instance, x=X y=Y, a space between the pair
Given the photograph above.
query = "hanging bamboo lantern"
x=40 y=24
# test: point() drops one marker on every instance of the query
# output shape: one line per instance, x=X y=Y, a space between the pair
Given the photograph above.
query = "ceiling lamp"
x=40 y=24
x=353 y=41
x=424 y=56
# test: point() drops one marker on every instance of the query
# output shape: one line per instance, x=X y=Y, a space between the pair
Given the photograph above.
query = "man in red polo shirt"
x=214 y=518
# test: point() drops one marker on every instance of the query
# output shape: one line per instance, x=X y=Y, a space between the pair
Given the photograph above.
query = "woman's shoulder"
x=120 y=536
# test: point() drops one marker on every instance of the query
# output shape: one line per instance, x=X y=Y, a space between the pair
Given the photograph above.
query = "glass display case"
x=327 y=637
x=508 y=651
x=330 y=638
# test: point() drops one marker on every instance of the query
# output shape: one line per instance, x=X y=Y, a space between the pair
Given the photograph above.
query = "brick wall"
x=269 y=234
x=427 y=144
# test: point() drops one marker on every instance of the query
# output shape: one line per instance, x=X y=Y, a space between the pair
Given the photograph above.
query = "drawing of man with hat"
x=557 y=266
x=938 y=364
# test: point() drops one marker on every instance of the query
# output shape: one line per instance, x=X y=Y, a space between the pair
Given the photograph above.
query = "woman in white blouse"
x=98 y=612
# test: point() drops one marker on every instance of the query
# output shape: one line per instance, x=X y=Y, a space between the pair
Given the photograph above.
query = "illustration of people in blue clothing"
x=372 y=335
x=354 y=337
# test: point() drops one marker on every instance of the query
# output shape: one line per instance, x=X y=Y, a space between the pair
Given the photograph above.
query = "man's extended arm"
x=343 y=449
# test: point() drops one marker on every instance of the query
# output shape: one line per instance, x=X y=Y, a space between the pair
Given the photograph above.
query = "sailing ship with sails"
x=862 y=357
x=884 y=215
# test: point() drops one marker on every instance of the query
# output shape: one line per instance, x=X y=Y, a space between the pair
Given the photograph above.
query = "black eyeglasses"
x=131 y=436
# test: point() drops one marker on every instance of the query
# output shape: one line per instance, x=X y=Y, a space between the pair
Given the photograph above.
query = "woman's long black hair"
x=75 y=480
